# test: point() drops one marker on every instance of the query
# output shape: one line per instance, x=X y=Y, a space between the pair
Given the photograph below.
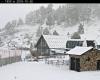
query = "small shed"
x=84 y=59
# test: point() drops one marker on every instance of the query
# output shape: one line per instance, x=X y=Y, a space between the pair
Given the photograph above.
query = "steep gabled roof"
x=79 y=50
x=54 y=41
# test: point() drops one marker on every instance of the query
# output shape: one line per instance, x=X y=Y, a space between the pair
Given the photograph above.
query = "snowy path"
x=41 y=71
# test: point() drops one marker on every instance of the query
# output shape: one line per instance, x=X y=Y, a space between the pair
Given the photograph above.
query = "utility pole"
x=41 y=39
x=9 y=50
x=68 y=34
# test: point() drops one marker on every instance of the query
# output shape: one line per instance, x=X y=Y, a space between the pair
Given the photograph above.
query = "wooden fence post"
x=9 y=55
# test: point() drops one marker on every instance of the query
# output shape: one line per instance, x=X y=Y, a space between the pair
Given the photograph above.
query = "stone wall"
x=88 y=61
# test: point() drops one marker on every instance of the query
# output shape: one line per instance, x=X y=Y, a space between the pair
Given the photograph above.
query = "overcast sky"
x=10 y=12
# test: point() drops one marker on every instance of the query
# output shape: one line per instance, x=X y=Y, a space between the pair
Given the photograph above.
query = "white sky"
x=10 y=12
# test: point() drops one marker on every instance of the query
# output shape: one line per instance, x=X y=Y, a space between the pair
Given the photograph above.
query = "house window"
x=98 y=46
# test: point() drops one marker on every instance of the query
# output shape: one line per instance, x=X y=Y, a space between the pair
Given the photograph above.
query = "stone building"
x=84 y=59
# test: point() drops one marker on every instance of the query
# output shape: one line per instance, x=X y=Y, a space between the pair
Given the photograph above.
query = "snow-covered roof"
x=79 y=50
x=54 y=41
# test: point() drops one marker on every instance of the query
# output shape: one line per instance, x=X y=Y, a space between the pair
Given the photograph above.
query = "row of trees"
x=45 y=31
x=10 y=26
x=75 y=35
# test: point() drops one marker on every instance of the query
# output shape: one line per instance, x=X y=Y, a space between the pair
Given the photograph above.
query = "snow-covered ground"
x=42 y=71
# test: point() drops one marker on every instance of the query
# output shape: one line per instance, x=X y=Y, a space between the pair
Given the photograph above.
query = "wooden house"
x=51 y=44
x=84 y=59
x=79 y=42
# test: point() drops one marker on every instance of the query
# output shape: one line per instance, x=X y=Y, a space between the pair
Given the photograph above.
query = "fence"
x=58 y=60
x=9 y=56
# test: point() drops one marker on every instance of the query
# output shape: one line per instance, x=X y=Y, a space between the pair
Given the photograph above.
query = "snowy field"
x=42 y=71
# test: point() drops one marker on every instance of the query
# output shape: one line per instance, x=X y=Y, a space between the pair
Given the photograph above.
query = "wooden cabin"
x=51 y=44
x=79 y=42
x=84 y=59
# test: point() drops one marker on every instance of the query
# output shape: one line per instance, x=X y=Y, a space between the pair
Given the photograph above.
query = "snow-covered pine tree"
x=75 y=36
x=81 y=29
x=55 y=33
x=46 y=31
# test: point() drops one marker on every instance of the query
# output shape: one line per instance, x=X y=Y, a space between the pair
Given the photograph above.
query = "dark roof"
x=73 y=43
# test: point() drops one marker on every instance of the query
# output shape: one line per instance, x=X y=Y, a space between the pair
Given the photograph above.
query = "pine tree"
x=39 y=32
x=46 y=31
x=20 y=22
x=75 y=36
x=55 y=33
x=81 y=29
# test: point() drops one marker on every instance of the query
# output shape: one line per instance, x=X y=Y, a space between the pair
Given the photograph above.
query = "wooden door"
x=72 y=63
x=98 y=64
x=77 y=66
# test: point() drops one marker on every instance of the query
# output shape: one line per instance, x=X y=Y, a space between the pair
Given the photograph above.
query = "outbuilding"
x=84 y=59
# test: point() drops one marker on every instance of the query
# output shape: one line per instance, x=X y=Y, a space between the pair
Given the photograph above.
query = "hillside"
x=47 y=20
x=21 y=38
x=27 y=34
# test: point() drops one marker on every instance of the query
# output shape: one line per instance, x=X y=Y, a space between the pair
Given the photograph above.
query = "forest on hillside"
x=68 y=14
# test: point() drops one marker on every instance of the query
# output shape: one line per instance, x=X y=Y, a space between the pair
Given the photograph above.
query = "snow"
x=19 y=37
x=41 y=71
x=97 y=40
x=54 y=41
x=92 y=30
x=24 y=54
x=79 y=50
x=84 y=43
x=27 y=28
x=64 y=30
